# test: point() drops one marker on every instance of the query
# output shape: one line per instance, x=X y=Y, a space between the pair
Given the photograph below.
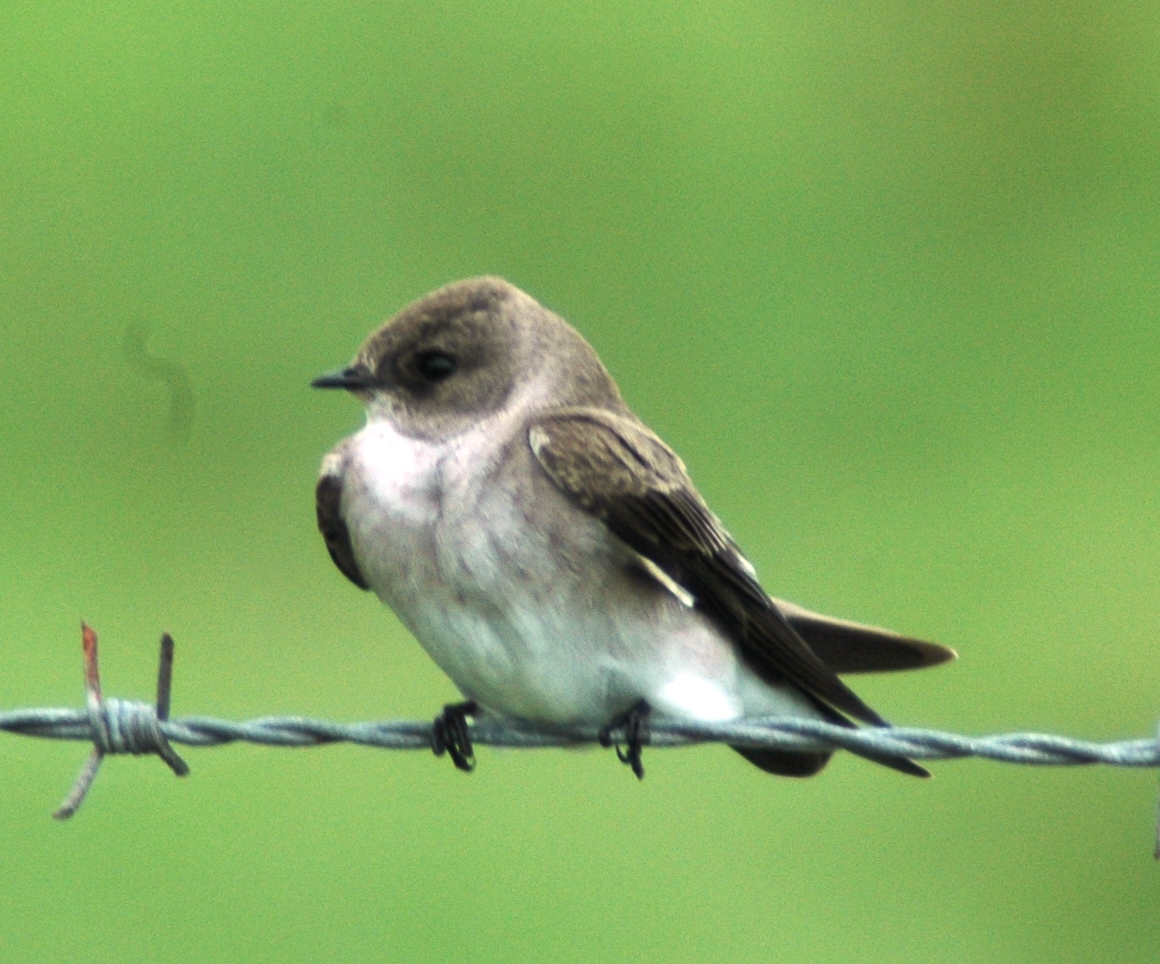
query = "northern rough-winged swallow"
x=550 y=552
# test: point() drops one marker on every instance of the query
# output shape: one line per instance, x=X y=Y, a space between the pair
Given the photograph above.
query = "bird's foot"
x=635 y=724
x=450 y=734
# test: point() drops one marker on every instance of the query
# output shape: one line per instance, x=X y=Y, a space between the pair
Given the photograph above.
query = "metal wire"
x=127 y=726
x=130 y=726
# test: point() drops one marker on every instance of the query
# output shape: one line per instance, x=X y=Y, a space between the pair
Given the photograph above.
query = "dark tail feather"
x=848 y=647
x=899 y=763
x=783 y=763
x=786 y=763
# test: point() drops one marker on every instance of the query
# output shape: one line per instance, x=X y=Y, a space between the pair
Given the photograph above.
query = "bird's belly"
x=523 y=667
x=547 y=622
x=538 y=642
x=566 y=667
x=512 y=634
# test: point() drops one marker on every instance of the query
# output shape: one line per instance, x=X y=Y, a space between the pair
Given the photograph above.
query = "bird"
x=551 y=553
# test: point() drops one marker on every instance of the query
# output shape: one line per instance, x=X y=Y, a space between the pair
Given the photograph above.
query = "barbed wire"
x=116 y=726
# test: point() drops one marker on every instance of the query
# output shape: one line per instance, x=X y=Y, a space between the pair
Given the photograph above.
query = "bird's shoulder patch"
x=595 y=455
x=328 y=505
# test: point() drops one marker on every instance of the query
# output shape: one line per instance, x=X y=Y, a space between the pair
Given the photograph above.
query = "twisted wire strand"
x=127 y=726
x=115 y=726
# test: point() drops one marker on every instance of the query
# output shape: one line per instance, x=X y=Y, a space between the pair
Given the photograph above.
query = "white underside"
x=531 y=607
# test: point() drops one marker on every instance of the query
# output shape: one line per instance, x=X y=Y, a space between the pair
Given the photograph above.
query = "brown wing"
x=328 y=504
x=615 y=468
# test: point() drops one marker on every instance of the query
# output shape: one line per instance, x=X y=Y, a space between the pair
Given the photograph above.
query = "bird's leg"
x=450 y=733
x=635 y=724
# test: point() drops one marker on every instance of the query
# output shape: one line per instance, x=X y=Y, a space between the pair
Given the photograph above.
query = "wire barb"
x=126 y=726
x=121 y=726
x=1156 y=852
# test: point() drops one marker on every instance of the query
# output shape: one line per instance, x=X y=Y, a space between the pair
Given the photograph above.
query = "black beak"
x=352 y=379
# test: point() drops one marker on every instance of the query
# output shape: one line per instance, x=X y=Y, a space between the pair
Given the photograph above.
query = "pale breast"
x=391 y=501
x=526 y=602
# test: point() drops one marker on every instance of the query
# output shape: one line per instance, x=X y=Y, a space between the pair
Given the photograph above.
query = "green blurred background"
x=886 y=275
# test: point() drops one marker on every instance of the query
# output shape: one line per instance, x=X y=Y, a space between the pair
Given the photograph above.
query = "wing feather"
x=328 y=505
x=614 y=467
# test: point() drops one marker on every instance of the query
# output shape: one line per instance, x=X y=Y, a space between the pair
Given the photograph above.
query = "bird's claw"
x=450 y=734
x=634 y=722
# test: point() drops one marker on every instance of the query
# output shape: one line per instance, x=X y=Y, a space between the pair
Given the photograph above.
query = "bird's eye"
x=436 y=365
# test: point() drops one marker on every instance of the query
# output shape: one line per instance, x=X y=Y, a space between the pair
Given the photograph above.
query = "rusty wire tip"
x=80 y=788
x=92 y=668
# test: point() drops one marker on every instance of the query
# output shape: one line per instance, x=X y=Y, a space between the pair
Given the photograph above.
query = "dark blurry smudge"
x=174 y=375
